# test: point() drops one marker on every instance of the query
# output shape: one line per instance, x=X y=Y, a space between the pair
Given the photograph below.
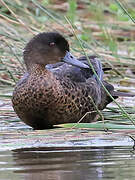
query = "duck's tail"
x=119 y=93
x=106 y=99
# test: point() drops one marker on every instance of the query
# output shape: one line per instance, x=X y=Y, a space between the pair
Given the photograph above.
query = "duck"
x=57 y=87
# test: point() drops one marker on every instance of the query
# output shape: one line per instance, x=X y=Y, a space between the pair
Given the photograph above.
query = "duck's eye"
x=52 y=44
x=71 y=56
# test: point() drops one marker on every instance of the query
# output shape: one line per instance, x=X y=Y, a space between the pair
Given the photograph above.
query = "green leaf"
x=97 y=126
x=114 y=7
x=72 y=10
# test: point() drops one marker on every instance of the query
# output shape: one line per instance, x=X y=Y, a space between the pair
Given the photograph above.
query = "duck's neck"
x=36 y=68
x=34 y=61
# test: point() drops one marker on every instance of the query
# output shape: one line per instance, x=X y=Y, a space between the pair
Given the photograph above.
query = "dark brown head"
x=45 y=48
x=48 y=48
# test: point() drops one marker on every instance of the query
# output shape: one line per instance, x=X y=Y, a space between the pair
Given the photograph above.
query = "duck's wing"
x=75 y=73
x=96 y=63
x=64 y=70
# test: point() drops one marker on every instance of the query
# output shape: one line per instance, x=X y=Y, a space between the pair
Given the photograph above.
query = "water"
x=67 y=163
x=62 y=154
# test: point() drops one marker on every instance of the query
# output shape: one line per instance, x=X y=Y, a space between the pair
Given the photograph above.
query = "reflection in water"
x=61 y=163
x=74 y=164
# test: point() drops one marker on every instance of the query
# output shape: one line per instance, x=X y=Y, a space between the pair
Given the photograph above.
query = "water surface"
x=62 y=154
x=68 y=163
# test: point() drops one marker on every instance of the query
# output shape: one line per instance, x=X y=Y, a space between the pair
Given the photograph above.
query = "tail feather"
x=107 y=69
x=118 y=93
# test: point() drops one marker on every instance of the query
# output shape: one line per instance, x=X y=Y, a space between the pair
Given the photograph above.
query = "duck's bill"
x=70 y=59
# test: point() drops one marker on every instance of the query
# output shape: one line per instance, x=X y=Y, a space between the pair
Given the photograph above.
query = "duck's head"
x=49 y=48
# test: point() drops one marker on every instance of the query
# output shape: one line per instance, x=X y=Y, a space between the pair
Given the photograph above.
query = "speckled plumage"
x=44 y=99
x=60 y=92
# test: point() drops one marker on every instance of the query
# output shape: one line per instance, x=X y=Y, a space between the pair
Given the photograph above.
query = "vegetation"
x=103 y=28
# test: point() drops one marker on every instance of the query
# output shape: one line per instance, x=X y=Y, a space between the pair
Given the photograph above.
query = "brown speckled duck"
x=50 y=94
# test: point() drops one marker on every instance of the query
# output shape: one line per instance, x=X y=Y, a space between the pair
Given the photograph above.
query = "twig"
x=15 y=55
x=98 y=111
x=124 y=9
x=83 y=118
x=9 y=20
x=20 y=21
x=10 y=73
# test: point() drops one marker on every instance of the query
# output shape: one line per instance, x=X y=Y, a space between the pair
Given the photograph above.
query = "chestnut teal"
x=57 y=87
